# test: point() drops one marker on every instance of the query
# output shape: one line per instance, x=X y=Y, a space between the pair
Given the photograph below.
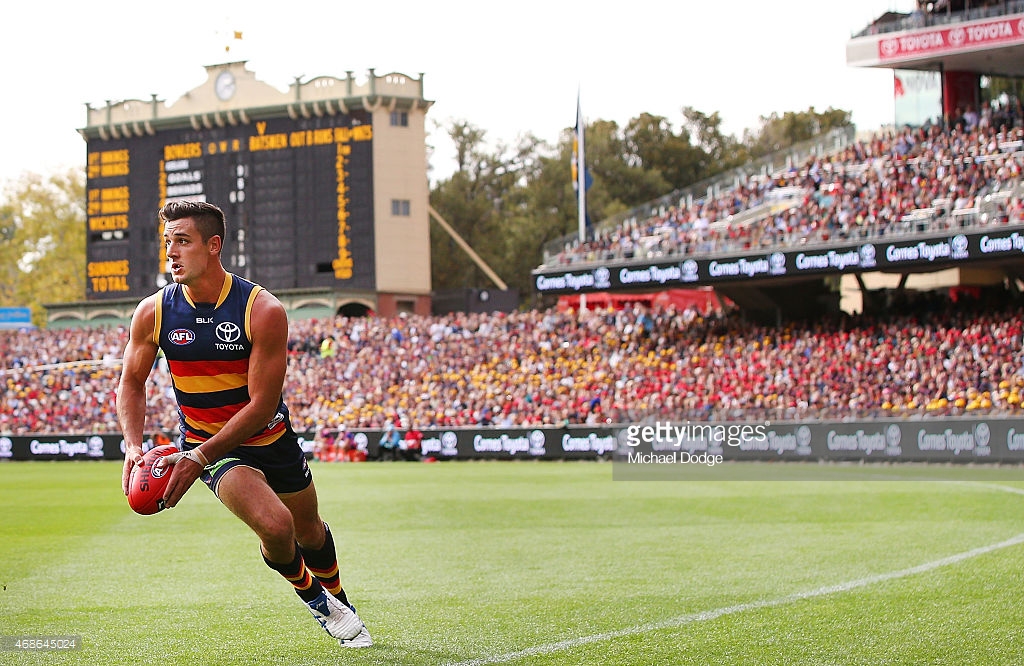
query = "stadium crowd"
x=896 y=182
x=551 y=367
x=623 y=366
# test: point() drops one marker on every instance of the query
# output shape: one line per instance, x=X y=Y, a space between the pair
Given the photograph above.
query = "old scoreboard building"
x=324 y=188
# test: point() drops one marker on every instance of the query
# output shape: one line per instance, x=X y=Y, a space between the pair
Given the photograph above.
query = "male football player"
x=225 y=341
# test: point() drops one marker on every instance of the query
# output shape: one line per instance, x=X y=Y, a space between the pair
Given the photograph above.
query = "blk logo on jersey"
x=181 y=336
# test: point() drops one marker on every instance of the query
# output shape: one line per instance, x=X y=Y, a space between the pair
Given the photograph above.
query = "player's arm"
x=139 y=355
x=268 y=363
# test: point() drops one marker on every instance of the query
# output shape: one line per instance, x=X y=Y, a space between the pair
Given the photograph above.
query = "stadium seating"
x=549 y=367
x=912 y=181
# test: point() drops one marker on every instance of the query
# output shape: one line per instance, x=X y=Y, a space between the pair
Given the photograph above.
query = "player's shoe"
x=336 y=618
x=361 y=640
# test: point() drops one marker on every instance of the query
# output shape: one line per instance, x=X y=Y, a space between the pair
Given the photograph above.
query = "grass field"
x=528 y=563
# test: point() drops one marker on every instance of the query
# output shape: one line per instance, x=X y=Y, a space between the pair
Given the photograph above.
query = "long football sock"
x=323 y=564
x=298 y=574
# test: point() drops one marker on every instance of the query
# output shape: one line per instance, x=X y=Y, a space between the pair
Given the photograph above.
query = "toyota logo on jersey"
x=228 y=331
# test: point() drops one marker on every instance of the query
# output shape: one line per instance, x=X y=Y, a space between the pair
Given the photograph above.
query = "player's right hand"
x=132 y=457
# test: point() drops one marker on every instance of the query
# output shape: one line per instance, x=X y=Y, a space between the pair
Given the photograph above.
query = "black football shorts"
x=283 y=463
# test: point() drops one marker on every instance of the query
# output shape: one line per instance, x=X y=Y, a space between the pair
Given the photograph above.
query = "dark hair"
x=209 y=219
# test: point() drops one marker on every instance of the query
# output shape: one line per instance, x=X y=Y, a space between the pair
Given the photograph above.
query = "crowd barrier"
x=963 y=440
x=445 y=444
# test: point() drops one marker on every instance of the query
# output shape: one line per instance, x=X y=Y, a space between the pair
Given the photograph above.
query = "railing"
x=918 y=19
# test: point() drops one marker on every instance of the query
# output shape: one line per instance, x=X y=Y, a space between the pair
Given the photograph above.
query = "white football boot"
x=336 y=618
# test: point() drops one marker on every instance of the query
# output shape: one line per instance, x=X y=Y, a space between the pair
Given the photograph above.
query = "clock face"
x=224 y=86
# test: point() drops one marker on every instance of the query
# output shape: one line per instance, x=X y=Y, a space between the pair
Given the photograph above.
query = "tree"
x=722 y=151
x=510 y=202
x=42 y=240
x=468 y=140
x=542 y=208
x=779 y=132
x=651 y=143
x=470 y=201
x=619 y=182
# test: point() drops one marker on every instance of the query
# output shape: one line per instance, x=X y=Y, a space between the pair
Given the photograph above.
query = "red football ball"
x=147 y=482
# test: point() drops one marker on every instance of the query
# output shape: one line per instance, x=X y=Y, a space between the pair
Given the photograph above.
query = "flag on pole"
x=577 y=144
x=577 y=153
x=580 y=177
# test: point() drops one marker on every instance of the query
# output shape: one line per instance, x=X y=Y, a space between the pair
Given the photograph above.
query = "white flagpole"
x=581 y=173
x=581 y=184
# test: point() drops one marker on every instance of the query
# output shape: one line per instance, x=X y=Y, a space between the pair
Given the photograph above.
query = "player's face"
x=187 y=254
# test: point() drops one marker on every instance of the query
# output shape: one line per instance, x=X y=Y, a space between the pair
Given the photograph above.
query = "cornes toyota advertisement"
x=579 y=442
x=947 y=440
x=909 y=252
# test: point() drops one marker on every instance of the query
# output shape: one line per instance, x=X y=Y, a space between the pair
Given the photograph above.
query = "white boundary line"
x=716 y=613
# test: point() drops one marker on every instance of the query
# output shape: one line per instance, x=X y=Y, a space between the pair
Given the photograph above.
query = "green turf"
x=530 y=563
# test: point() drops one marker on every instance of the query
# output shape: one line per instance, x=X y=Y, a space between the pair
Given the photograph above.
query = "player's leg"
x=316 y=545
x=245 y=492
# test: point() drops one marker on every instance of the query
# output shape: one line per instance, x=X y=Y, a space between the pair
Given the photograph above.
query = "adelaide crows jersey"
x=207 y=347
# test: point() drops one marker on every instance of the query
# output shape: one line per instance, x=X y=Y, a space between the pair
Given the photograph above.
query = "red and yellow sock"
x=323 y=564
x=298 y=574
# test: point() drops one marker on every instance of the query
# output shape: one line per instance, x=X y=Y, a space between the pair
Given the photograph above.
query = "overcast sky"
x=507 y=68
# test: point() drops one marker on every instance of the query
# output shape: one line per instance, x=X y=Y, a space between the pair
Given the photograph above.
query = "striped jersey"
x=207 y=347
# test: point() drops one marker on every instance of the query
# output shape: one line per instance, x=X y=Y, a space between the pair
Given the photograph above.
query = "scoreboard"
x=297 y=194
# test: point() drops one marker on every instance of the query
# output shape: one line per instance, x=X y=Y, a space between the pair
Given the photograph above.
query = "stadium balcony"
x=941 y=12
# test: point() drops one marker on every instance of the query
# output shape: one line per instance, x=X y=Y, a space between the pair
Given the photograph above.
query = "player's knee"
x=276 y=529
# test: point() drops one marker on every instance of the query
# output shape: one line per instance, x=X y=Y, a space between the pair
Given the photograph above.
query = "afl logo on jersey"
x=181 y=336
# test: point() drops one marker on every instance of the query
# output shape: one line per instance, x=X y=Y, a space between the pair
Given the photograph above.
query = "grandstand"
x=839 y=205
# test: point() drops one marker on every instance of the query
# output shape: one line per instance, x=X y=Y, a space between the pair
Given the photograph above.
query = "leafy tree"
x=651 y=143
x=543 y=209
x=42 y=240
x=781 y=131
x=722 y=151
x=509 y=203
x=618 y=182
x=470 y=201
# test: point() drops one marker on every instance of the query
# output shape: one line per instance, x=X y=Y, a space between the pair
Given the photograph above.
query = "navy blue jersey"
x=207 y=347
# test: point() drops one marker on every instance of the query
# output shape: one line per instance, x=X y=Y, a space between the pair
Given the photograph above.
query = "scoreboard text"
x=297 y=195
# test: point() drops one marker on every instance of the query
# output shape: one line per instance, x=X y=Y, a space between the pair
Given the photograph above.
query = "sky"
x=506 y=68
